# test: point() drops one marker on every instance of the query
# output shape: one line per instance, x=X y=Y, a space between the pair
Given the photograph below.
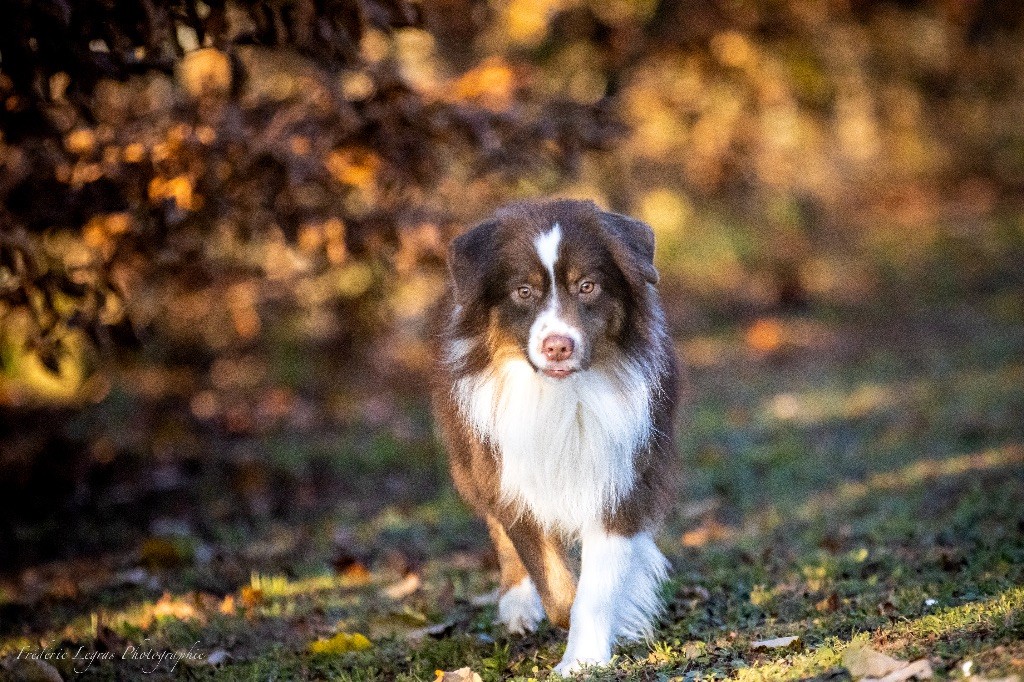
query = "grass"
x=843 y=482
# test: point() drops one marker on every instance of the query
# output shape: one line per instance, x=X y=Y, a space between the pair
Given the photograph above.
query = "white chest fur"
x=566 y=446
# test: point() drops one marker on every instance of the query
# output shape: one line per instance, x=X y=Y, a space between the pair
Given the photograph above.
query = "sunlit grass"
x=816 y=661
x=915 y=474
x=281 y=586
x=999 y=616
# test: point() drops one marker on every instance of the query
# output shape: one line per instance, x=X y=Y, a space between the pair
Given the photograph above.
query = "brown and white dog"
x=555 y=394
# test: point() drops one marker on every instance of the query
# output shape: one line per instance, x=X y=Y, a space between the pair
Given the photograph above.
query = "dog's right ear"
x=469 y=259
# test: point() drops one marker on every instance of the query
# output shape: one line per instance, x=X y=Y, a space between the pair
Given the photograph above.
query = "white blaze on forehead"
x=547 y=249
x=549 y=321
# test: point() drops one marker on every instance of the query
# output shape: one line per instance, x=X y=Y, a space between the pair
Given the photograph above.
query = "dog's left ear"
x=631 y=244
x=469 y=259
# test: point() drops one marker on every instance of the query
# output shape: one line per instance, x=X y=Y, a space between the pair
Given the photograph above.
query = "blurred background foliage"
x=221 y=223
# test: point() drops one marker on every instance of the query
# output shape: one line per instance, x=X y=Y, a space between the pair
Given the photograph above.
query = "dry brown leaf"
x=777 y=643
x=868 y=665
x=712 y=531
x=227 y=606
x=251 y=596
x=920 y=669
x=828 y=604
x=863 y=661
x=356 y=575
x=404 y=587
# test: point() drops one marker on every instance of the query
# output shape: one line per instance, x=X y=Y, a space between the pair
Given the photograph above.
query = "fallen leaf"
x=341 y=643
x=460 y=675
x=921 y=669
x=404 y=587
x=712 y=531
x=439 y=630
x=828 y=604
x=251 y=596
x=863 y=661
x=227 y=606
x=777 y=643
x=356 y=575
x=868 y=665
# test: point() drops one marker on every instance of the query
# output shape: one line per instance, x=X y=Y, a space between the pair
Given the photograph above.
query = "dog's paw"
x=520 y=609
x=586 y=652
x=570 y=665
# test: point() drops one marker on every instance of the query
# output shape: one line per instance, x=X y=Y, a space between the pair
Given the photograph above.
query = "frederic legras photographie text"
x=142 y=657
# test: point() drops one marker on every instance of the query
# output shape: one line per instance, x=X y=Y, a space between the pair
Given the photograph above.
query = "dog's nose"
x=556 y=348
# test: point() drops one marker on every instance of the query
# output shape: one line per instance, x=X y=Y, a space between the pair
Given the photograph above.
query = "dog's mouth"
x=558 y=372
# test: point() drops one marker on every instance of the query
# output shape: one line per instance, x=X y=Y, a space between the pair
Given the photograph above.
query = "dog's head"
x=561 y=283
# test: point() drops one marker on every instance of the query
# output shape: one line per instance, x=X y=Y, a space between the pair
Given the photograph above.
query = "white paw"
x=520 y=609
x=570 y=665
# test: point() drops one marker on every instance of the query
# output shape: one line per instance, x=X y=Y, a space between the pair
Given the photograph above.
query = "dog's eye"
x=586 y=287
x=524 y=292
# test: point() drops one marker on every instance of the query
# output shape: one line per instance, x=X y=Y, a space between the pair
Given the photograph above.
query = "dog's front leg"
x=549 y=578
x=618 y=596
